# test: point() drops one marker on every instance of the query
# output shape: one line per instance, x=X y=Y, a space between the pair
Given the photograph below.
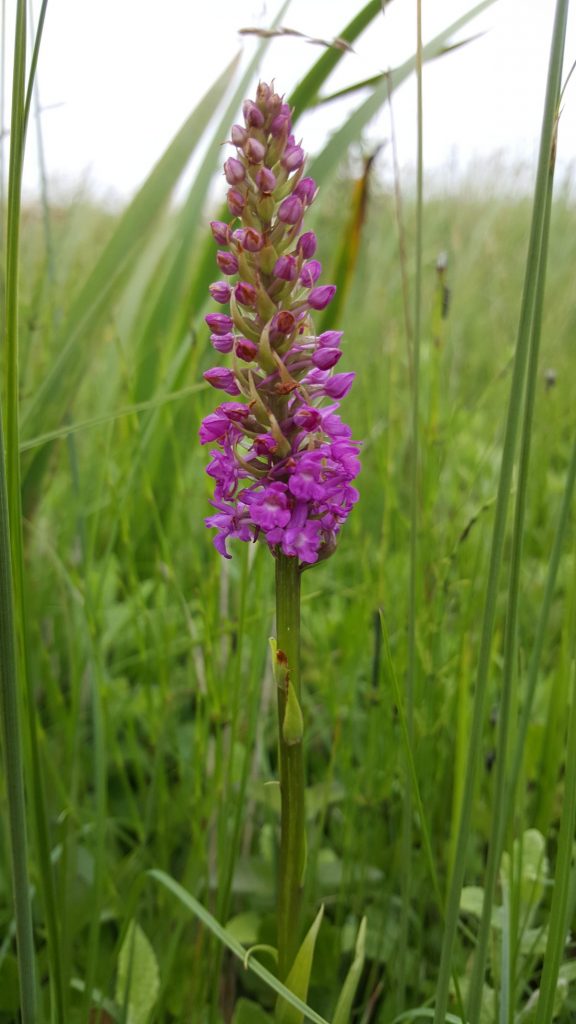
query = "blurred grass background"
x=148 y=656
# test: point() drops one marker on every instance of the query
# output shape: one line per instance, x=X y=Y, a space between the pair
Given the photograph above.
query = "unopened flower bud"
x=306 y=189
x=248 y=239
x=265 y=180
x=227 y=262
x=293 y=158
x=263 y=94
x=238 y=135
x=220 y=231
x=236 y=202
x=306 y=245
x=220 y=291
x=222 y=379
x=245 y=349
x=339 y=385
x=286 y=268
x=223 y=343
x=234 y=170
x=235 y=411
x=310 y=273
x=253 y=117
x=255 y=151
x=219 y=323
x=290 y=210
x=326 y=358
x=282 y=324
x=320 y=297
x=245 y=293
x=329 y=339
x=280 y=125
x=308 y=417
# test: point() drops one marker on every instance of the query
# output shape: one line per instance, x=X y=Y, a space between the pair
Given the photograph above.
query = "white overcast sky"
x=118 y=77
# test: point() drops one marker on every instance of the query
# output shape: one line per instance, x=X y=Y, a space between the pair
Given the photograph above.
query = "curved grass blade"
x=343 y=1011
x=500 y=804
x=298 y=979
x=56 y=392
x=234 y=946
x=307 y=90
x=326 y=163
x=533 y=269
x=374 y=80
x=69 y=429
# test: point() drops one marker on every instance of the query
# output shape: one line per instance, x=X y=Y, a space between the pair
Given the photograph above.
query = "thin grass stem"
x=502 y=779
x=557 y=929
x=9 y=532
x=533 y=269
x=412 y=667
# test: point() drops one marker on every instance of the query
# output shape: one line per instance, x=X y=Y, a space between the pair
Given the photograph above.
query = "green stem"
x=10 y=680
x=534 y=267
x=291 y=765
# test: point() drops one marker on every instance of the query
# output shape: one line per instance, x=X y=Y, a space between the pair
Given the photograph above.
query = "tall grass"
x=150 y=734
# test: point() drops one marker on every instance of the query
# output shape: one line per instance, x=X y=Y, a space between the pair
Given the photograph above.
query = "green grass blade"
x=533 y=268
x=408 y=739
x=36 y=788
x=56 y=392
x=34 y=63
x=307 y=90
x=501 y=784
x=374 y=80
x=234 y=946
x=558 y=926
x=535 y=658
x=415 y=491
x=327 y=162
x=151 y=404
x=10 y=555
x=343 y=1010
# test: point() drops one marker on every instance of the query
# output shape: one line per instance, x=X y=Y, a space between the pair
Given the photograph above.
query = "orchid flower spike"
x=284 y=461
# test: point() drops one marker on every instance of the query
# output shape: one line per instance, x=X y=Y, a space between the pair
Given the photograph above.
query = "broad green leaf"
x=472 y=900
x=425 y=1013
x=247 y=1012
x=138 y=980
x=344 y=1006
x=529 y=1012
x=299 y=977
x=529 y=871
x=223 y=936
x=244 y=927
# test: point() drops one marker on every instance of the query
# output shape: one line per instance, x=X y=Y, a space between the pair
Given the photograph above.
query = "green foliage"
x=149 y=671
x=298 y=978
x=524 y=881
x=137 y=981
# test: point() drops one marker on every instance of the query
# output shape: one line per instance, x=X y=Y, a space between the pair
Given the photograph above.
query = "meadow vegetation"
x=147 y=655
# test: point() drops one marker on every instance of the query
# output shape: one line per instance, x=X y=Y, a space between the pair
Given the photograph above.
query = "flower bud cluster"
x=284 y=461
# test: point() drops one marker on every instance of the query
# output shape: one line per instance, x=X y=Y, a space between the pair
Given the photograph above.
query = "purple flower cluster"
x=284 y=462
